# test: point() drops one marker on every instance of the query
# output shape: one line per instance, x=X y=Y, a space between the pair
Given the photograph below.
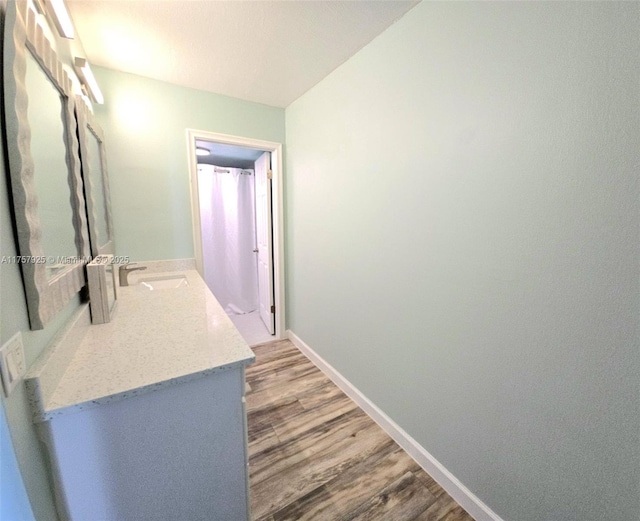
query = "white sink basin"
x=163 y=282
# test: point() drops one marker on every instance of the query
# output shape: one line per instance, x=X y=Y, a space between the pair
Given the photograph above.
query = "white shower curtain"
x=227 y=219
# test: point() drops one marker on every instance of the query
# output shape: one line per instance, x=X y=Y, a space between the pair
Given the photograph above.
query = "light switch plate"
x=12 y=364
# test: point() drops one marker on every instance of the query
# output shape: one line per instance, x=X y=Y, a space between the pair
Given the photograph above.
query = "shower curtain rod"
x=219 y=170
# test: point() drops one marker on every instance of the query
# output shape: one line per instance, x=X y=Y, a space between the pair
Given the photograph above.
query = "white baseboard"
x=469 y=501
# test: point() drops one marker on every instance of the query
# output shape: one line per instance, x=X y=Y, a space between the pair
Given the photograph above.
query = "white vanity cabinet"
x=144 y=418
x=177 y=453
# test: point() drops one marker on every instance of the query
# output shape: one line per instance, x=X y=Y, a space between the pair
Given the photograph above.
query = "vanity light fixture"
x=88 y=79
x=201 y=151
x=61 y=18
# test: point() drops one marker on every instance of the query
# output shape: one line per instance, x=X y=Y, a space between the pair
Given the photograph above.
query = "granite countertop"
x=156 y=339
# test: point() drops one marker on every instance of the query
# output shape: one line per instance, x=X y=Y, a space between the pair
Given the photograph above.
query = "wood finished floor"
x=314 y=454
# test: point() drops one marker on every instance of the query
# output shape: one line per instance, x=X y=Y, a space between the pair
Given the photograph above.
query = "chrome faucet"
x=123 y=272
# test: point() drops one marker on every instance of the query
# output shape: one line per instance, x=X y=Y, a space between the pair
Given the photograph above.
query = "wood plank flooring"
x=315 y=455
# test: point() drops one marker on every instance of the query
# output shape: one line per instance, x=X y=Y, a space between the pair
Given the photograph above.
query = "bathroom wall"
x=144 y=122
x=14 y=318
x=462 y=244
x=23 y=446
x=15 y=503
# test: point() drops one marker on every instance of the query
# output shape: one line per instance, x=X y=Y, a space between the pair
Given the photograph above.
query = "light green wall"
x=144 y=123
x=14 y=318
x=462 y=238
x=14 y=504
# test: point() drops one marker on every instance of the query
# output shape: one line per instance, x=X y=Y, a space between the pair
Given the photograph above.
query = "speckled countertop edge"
x=49 y=414
x=48 y=407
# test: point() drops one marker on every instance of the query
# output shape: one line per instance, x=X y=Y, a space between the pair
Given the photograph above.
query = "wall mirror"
x=44 y=166
x=96 y=180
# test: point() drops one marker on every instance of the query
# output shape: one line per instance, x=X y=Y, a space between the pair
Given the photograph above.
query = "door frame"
x=277 y=209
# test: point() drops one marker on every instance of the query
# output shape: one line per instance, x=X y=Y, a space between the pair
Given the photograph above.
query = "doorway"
x=236 y=201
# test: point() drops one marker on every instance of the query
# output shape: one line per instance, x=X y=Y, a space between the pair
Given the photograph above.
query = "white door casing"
x=264 y=240
x=277 y=207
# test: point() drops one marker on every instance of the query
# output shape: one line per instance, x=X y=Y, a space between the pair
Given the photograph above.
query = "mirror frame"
x=87 y=124
x=46 y=297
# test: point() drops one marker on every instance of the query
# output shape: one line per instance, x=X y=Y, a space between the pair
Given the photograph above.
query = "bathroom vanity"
x=144 y=417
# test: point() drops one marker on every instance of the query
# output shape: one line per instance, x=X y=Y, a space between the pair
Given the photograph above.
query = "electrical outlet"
x=12 y=364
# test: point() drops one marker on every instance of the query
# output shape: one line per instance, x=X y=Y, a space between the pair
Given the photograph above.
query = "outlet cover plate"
x=12 y=363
